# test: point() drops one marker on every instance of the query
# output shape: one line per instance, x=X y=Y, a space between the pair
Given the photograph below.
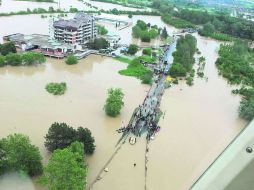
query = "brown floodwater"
x=27 y=108
x=108 y=6
x=16 y=181
x=15 y=6
x=198 y=124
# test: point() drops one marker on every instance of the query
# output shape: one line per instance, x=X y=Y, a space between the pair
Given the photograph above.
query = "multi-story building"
x=75 y=31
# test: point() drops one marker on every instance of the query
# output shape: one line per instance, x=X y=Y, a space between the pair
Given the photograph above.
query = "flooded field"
x=23 y=96
x=198 y=124
x=16 y=181
x=15 y=6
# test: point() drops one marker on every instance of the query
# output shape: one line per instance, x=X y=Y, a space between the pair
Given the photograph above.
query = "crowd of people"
x=144 y=118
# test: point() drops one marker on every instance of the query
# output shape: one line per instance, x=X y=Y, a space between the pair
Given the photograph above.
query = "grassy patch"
x=176 y=22
x=221 y=37
x=56 y=88
x=123 y=59
x=147 y=58
x=136 y=69
x=168 y=40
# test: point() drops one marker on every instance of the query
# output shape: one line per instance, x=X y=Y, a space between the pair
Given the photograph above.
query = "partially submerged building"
x=78 y=30
x=41 y=43
x=68 y=37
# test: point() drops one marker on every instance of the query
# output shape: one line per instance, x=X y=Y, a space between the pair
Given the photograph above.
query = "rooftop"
x=40 y=40
x=79 y=18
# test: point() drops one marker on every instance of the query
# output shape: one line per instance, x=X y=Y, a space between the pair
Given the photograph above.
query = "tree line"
x=98 y=43
x=234 y=64
x=176 y=22
x=129 y=3
x=183 y=56
x=222 y=23
x=145 y=31
x=28 y=58
x=9 y=56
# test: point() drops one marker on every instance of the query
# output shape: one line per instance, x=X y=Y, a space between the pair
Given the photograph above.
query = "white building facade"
x=75 y=31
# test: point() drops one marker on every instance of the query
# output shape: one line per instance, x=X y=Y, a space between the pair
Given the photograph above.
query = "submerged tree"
x=2 y=61
x=98 y=43
x=13 y=59
x=164 y=33
x=84 y=136
x=7 y=48
x=71 y=60
x=114 y=102
x=130 y=15
x=102 y=30
x=208 y=29
x=132 y=50
x=66 y=169
x=177 y=70
x=17 y=153
x=61 y=135
x=31 y=58
x=246 y=109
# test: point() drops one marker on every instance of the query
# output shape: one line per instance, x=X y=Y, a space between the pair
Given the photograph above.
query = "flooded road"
x=199 y=121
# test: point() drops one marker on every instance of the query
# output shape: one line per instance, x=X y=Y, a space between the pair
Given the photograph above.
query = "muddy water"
x=23 y=96
x=108 y=6
x=16 y=181
x=199 y=121
x=22 y=24
x=15 y=6
x=125 y=34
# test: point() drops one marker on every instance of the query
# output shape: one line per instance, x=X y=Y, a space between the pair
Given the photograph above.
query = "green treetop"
x=114 y=102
